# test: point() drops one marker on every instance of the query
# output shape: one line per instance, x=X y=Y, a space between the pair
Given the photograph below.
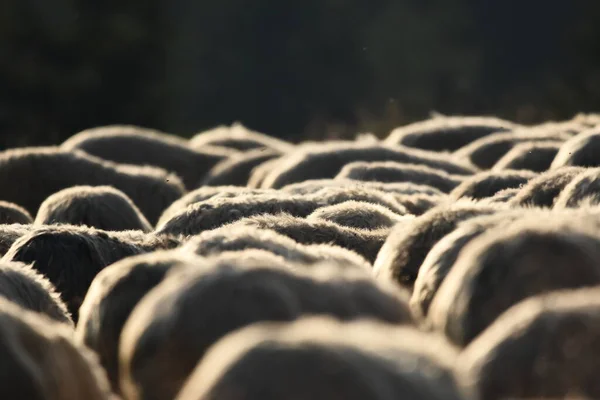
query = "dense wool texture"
x=174 y=325
x=543 y=190
x=443 y=133
x=507 y=265
x=10 y=233
x=11 y=213
x=401 y=188
x=238 y=137
x=409 y=243
x=359 y=215
x=128 y=144
x=241 y=237
x=22 y=285
x=101 y=207
x=544 y=347
x=581 y=150
x=486 y=152
x=113 y=295
x=392 y=172
x=487 y=184
x=29 y=175
x=323 y=359
x=364 y=242
x=536 y=156
x=236 y=170
x=217 y=211
x=325 y=160
x=40 y=361
x=70 y=257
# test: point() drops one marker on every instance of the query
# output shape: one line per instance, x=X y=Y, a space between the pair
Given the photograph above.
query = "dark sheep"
x=205 y=193
x=408 y=244
x=486 y=184
x=579 y=151
x=40 y=360
x=70 y=257
x=443 y=255
x=11 y=213
x=237 y=137
x=507 y=265
x=502 y=196
x=401 y=188
x=536 y=157
x=241 y=237
x=583 y=189
x=444 y=133
x=113 y=295
x=543 y=190
x=10 y=233
x=218 y=211
x=392 y=172
x=173 y=326
x=28 y=176
x=544 y=347
x=323 y=359
x=486 y=152
x=359 y=215
x=102 y=207
x=126 y=144
x=22 y=285
x=304 y=231
x=325 y=160
x=236 y=170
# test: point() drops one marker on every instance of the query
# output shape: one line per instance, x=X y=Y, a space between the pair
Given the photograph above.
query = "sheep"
x=261 y=171
x=113 y=295
x=238 y=137
x=127 y=144
x=502 y=196
x=304 y=231
x=40 y=360
x=509 y=264
x=236 y=170
x=443 y=133
x=22 y=285
x=70 y=257
x=11 y=213
x=584 y=188
x=28 y=176
x=359 y=215
x=485 y=152
x=205 y=193
x=326 y=160
x=241 y=237
x=531 y=156
x=544 y=347
x=408 y=244
x=218 y=211
x=403 y=188
x=101 y=207
x=486 y=184
x=320 y=358
x=173 y=326
x=391 y=172
x=542 y=190
x=418 y=204
x=579 y=151
x=442 y=256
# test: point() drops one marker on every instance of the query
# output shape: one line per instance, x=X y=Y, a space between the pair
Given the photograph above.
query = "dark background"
x=290 y=68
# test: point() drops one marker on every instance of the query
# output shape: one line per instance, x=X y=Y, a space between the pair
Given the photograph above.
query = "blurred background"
x=294 y=69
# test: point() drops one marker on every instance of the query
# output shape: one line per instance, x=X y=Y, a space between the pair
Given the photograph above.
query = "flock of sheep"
x=458 y=258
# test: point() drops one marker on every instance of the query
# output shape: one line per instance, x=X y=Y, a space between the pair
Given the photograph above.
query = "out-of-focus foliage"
x=289 y=68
